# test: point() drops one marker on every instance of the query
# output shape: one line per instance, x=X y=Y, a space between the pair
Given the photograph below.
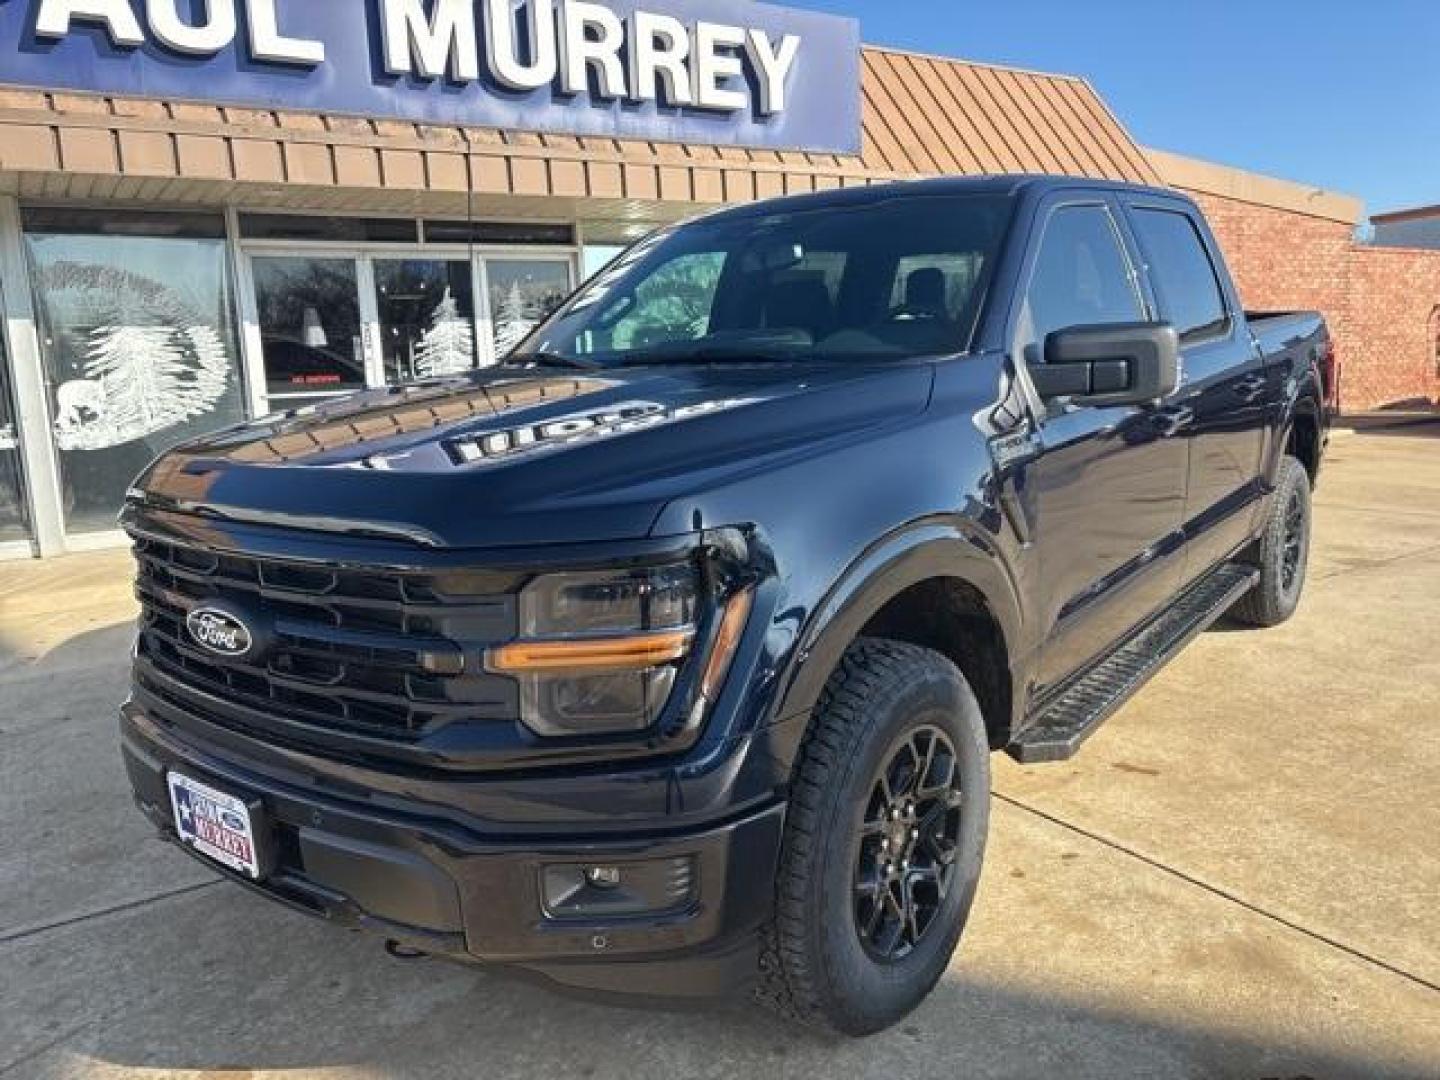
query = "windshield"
x=892 y=279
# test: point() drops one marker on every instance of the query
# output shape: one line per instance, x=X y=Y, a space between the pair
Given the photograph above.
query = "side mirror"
x=1117 y=364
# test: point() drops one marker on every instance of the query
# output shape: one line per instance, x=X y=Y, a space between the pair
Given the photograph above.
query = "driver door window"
x=1081 y=278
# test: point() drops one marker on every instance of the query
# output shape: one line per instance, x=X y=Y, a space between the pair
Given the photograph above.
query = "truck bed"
x=1305 y=336
x=1278 y=330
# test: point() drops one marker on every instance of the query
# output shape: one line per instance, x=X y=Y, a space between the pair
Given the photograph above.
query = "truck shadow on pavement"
x=217 y=981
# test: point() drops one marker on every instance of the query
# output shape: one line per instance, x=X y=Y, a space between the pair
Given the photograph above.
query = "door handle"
x=1172 y=421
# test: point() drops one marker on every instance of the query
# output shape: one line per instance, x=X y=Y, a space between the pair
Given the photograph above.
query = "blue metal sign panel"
x=692 y=71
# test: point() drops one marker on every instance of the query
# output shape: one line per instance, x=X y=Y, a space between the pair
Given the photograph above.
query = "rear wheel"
x=1284 y=551
x=884 y=841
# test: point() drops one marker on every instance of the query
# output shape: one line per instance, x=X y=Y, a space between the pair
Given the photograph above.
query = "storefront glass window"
x=596 y=257
x=427 y=317
x=138 y=333
x=309 y=312
x=522 y=293
x=14 y=515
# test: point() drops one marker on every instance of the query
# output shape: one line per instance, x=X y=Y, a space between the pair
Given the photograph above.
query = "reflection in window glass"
x=813 y=283
x=1190 y=295
x=427 y=317
x=14 y=515
x=674 y=304
x=139 y=344
x=523 y=292
x=1081 y=277
x=309 y=311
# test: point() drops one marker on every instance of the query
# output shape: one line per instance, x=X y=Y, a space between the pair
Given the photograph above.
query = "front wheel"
x=884 y=841
x=1284 y=551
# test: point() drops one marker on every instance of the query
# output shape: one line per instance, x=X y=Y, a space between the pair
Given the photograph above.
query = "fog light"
x=599 y=891
x=603 y=877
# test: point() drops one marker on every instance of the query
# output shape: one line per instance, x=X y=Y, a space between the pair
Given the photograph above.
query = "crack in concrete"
x=28 y=932
x=1223 y=894
x=43 y=1049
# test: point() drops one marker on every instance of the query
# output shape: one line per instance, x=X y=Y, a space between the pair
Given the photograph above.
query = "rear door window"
x=1182 y=273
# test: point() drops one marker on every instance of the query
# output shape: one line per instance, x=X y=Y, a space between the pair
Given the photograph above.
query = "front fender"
x=933 y=548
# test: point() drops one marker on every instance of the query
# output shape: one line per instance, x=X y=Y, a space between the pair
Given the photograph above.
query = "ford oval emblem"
x=219 y=632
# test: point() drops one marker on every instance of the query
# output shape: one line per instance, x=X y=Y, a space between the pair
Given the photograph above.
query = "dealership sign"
x=716 y=71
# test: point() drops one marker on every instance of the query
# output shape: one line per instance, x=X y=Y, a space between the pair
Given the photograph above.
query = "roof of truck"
x=1000 y=184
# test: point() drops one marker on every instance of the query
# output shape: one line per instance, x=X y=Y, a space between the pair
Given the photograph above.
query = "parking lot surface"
x=1238 y=877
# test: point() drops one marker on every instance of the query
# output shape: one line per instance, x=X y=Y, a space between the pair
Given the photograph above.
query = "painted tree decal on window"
x=448 y=346
x=513 y=321
x=151 y=361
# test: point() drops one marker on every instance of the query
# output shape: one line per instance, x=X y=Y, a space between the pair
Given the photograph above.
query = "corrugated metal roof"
x=927 y=115
x=922 y=116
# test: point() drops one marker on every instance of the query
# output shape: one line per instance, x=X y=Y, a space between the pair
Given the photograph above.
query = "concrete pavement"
x=1239 y=877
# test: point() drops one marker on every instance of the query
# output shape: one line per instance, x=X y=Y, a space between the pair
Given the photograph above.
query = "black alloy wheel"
x=881 y=856
x=908 y=840
x=1282 y=550
x=1293 y=545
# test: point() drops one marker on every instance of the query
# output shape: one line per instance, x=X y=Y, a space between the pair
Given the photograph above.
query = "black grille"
x=394 y=654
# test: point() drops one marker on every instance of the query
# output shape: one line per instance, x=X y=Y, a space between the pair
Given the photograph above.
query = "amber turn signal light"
x=634 y=652
x=727 y=638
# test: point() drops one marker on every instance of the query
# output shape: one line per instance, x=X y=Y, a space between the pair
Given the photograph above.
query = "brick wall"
x=1383 y=304
x=1394 y=321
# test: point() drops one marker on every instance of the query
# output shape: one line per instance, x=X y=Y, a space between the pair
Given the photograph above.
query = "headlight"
x=620 y=602
x=601 y=652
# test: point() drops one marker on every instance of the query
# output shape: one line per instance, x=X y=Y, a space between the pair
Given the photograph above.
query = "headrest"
x=925 y=289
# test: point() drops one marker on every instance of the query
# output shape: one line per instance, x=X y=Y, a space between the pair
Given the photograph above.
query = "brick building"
x=1292 y=246
x=192 y=233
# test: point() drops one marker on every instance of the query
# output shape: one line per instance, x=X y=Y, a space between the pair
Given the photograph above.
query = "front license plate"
x=214 y=824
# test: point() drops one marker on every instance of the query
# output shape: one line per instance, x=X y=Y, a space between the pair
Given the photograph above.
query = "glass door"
x=311 y=327
x=425 y=312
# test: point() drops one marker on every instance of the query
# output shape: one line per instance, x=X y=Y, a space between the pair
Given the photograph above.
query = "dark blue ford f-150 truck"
x=667 y=657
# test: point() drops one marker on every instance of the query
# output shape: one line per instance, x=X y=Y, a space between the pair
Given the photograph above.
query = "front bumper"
x=430 y=885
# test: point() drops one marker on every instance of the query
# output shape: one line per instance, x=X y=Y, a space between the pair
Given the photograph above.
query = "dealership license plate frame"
x=237 y=842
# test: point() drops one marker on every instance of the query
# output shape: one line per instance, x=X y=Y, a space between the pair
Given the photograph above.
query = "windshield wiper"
x=552 y=360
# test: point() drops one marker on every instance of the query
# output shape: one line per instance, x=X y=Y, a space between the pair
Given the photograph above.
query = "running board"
x=1073 y=717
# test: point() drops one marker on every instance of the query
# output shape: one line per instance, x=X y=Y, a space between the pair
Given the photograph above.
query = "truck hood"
x=517 y=457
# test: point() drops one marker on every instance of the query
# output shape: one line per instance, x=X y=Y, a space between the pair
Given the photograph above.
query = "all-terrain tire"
x=1284 y=551
x=816 y=966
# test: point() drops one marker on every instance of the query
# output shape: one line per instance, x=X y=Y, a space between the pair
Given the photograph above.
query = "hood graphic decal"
x=604 y=423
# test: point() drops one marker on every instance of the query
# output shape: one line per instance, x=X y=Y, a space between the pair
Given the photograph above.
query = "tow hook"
x=404 y=952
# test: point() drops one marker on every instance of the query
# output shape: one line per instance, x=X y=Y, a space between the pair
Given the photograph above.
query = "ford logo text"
x=219 y=632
